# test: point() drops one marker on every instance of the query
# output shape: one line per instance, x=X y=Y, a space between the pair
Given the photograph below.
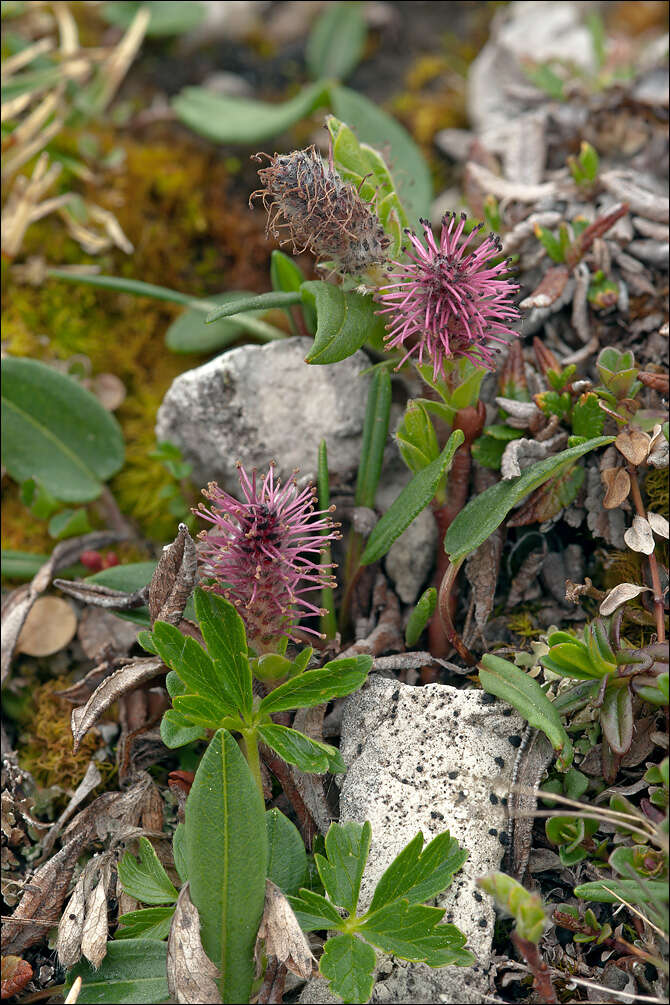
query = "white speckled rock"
x=432 y=759
x=412 y=556
x=261 y=403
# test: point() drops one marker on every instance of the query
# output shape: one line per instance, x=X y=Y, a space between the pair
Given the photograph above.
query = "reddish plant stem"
x=471 y=421
x=272 y=989
x=538 y=968
x=653 y=564
x=445 y=611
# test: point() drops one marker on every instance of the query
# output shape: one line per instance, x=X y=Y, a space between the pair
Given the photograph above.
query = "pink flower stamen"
x=258 y=553
x=444 y=304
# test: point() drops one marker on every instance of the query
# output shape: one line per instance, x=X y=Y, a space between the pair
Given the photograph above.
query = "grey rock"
x=412 y=555
x=261 y=403
x=425 y=759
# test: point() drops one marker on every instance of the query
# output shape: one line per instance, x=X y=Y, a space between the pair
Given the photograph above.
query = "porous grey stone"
x=261 y=403
x=432 y=759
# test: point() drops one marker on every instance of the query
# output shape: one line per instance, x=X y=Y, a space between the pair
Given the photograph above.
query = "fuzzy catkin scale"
x=309 y=205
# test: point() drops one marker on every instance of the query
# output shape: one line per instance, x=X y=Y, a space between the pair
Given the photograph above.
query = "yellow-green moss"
x=656 y=490
x=46 y=750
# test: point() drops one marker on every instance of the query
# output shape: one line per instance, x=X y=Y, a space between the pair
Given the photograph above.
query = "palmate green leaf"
x=484 y=514
x=287 y=858
x=411 y=931
x=243 y=120
x=193 y=666
x=293 y=747
x=336 y=41
x=314 y=687
x=226 y=850
x=314 y=912
x=517 y=688
x=177 y=730
x=146 y=880
x=151 y=923
x=223 y=631
x=348 y=963
x=190 y=334
x=417 y=875
x=347 y=847
x=134 y=972
x=345 y=320
x=413 y=498
x=384 y=133
x=57 y=432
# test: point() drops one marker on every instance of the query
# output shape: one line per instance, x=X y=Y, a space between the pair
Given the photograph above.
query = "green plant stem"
x=250 y=739
x=352 y=571
x=653 y=564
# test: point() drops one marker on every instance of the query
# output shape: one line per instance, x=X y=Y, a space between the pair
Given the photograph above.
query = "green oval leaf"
x=226 y=849
x=484 y=514
x=413 y=498
x=336 y=42
x=344 y=321
x=287 y=858
x=134 y=972
x=616 y=718
x=517 y=688
x=243 y=120
x=57 y=432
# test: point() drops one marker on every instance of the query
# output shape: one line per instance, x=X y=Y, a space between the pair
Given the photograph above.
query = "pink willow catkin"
x=446 y=304
x=260 y=554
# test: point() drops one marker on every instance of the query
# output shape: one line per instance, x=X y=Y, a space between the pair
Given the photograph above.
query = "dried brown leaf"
x=40 y=906
x=90 y=781
x=621 y=594
x=657 y=381
x=191 y=975
x=658 y=524
x=49 y=627
x=94 y=932
x=634 y=444
x=600 y=226
x=126 y=678
x=16 y=973
x=549 y=290
x=103 y=635
x=647 y=204
x=71 y=926
x=173 y=581
x=110 y=813
x=617 y=486
x=283 y=936
x=102 y=596
x=481 y=570
x=640 y=537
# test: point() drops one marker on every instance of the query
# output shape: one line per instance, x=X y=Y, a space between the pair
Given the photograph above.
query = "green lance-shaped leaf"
x=345 y=320
x=287 y=858
x=190 y=334
x=375 y=433
x=313 y=912
x=616 y=717
x=166 y=18
x=382 y=132
x=146 y=880
x=57 y=432
x=348 y=963
x=484 y=514
x=133 y=972
x=525 y=907
x=420 y=616
x=120 y=284
x=367 y=170
x=513 y=685
x=243 y=120
x=328 y=620
x=260 y=302
x=314 y=687
x=646 y=891
x=311 y=756
x=347 y=847
x=413 y=498
x=417 y=875
x=226 y=847
x=336 y=42
x=223 y=631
